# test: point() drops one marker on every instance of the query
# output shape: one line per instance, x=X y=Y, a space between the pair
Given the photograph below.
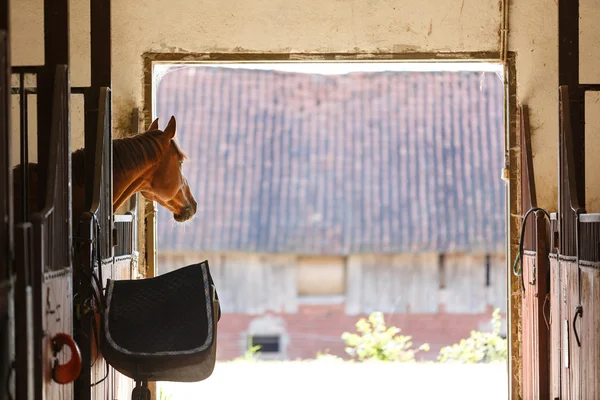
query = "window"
x=267 y=343
x=321 y=276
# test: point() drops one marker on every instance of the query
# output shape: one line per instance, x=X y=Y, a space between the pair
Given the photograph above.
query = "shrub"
x=251 y=353
x=375 y=341
x=480 y=347
x=328 y=357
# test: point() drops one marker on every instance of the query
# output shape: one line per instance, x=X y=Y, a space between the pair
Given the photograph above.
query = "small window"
x=442 y=270
x=268 y=344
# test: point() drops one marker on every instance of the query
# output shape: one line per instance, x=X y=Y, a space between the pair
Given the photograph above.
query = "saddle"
x=162 y=328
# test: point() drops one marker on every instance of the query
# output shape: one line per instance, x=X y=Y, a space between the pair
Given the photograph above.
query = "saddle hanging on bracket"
x=163 y=328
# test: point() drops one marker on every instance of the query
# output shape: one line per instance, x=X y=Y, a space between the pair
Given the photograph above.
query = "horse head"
x=165 y=182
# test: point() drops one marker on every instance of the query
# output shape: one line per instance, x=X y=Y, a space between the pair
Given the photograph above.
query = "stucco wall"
x=331 y=26
x=336 y=26
x=258 y=26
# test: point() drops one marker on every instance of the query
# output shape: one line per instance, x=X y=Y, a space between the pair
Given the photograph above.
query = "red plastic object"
x=66 y=373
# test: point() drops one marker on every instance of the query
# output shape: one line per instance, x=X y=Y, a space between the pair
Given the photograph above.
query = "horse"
x=149 y=163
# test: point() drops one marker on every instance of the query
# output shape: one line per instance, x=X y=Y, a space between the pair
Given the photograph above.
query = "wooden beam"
x=100 y=76
x=528 y=192
x=572 y=111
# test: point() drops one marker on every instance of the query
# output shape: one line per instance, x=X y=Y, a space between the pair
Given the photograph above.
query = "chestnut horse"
x=149 y=163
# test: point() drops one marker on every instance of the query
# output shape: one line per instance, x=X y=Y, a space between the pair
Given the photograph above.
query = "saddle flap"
x=163 y=328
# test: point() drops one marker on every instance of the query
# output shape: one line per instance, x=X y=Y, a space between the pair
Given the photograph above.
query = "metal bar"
x=571 y=165
x=56 y=50
x=590 y=87
x=573 y=115
x=24 y=128
x=23 y=308
x=74 y=90
x=100 y=76
x=100 y=40
x=27 y=69
x=24 y=90
x=569 y=145
x=589 y=218
x=82 y=323
x=123 y=218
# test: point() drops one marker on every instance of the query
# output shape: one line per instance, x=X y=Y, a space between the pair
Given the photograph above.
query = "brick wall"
x=319 y=327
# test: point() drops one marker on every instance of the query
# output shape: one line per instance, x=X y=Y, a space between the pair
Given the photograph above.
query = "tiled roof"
x=382 y=162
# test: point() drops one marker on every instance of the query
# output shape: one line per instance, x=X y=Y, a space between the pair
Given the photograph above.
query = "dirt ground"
x=317 y=380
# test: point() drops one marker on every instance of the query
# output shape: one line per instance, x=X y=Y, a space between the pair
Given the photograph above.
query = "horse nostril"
x=189 y=210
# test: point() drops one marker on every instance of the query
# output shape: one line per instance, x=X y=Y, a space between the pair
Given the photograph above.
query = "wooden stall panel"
x=121 y=385
x=575 y=350
x=529 y=331
x=536 y=383
x=571 y=352
x=57 y=296
x=7 y=333
x=555 y=328
x=565 y=332
x=590 y=332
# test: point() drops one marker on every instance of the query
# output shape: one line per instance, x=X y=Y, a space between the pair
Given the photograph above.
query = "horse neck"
x=126 y=184
x=130 y=176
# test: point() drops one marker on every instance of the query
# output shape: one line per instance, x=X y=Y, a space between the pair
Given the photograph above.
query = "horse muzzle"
x=186 y=213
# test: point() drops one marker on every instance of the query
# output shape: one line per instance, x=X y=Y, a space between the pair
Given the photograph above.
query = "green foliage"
x=162 y=395
x=375 y=341
x=480 y=347
x=328 y=357
x=250 y=354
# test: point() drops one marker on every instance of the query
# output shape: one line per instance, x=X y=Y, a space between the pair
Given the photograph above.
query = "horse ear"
x=154 y=125
x=171 y=128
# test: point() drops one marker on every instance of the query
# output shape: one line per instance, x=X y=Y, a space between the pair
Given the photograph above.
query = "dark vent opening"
x=442 y=271
x=488 y=271
x=267 y=343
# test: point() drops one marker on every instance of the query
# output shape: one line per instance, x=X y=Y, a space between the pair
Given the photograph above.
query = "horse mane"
x=128 y=153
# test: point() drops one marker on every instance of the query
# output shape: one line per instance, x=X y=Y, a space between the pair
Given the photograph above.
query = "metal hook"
x=547 y=301
x=578 y=312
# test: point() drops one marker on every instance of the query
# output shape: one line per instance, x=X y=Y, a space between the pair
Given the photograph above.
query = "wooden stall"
x=49 y=257
x=561 y=258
